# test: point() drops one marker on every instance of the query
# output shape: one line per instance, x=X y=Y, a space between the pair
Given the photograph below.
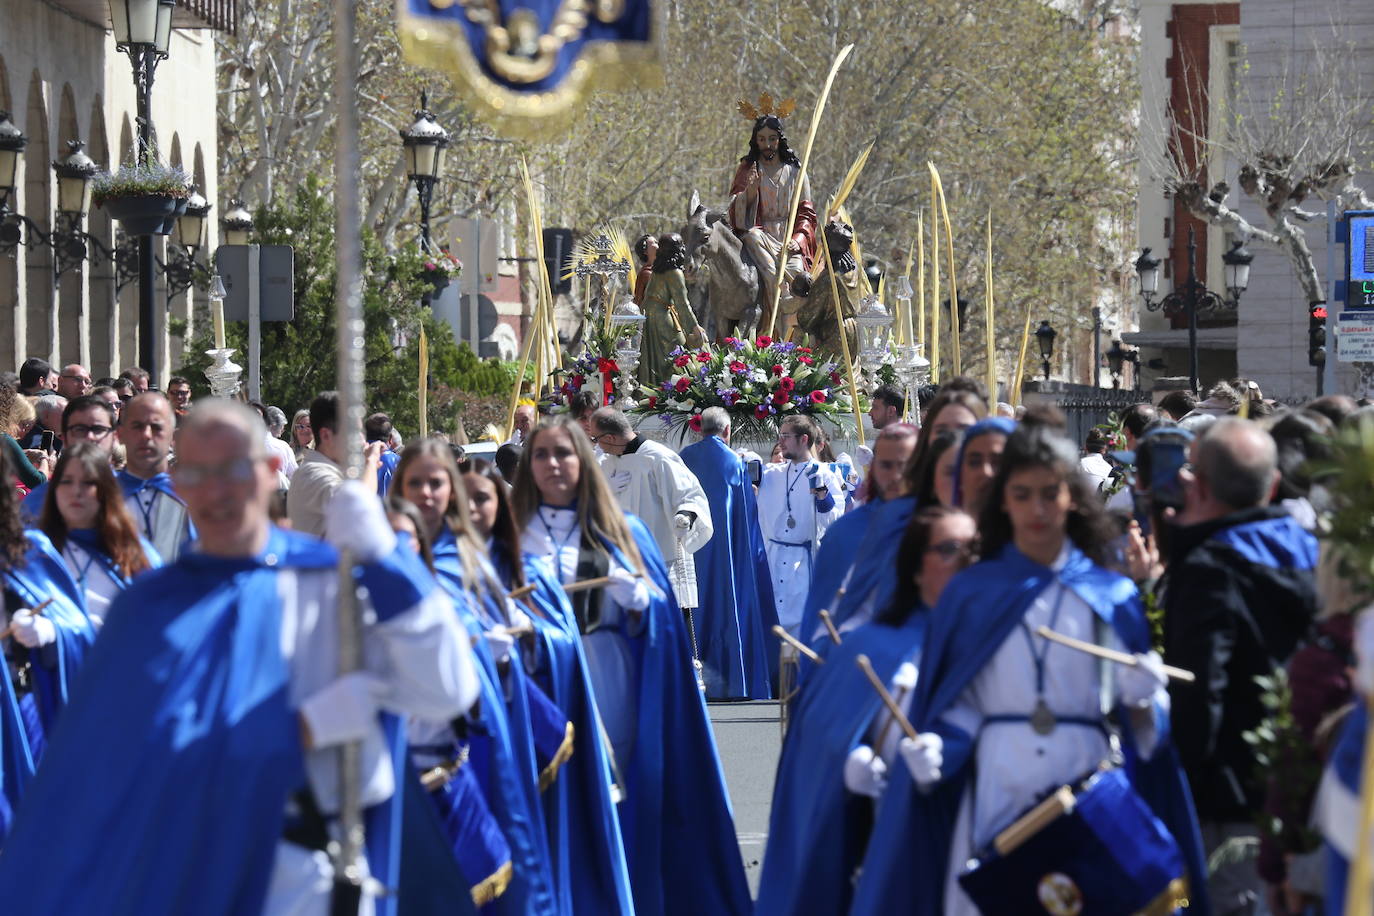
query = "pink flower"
x=703 y=357
x=682 y=384
x=763 y=341
x=787 y=383
x=808 y=360
x=780 y=396
x=777 y=370
x=818 y=396
x=804 y=350
x=834 y=378
x=653 y=401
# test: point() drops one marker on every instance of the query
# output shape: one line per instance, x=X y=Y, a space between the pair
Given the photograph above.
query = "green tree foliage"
x=298 y=357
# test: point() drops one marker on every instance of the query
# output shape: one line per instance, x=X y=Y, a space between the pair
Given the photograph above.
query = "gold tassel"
x=565 y=752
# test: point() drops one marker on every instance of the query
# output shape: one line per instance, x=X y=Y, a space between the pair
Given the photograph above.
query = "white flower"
x=758 y=375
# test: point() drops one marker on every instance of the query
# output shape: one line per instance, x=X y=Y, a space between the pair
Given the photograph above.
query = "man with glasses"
x=145 y=428
x=219 y=701
x=86 y=419
x=179 y=391
x=797 y=505
x=74 y=381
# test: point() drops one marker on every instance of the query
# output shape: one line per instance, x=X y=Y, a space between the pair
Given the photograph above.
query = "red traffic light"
x=1319 y=311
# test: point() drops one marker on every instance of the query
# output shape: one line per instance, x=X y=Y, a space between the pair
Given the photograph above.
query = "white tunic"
x=420 y=654
x=785 y=495
x=1014 y=764
x=653 y=483
x=93 y=577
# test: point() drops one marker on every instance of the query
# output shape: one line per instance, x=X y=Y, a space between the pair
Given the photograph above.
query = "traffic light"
x=1316 y=334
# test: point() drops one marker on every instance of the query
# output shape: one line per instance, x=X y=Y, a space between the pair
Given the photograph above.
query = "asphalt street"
x=749 y=740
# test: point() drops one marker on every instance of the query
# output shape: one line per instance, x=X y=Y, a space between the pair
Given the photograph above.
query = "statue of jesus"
x=760 y=201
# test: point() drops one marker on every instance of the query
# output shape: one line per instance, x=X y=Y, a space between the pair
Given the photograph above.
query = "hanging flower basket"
x=438 y=279
x=145 y=198
x=144 y=215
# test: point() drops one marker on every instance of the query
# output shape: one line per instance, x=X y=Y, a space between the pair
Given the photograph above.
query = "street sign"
x=1355 y=330
x=477 y=244
x=276 y=281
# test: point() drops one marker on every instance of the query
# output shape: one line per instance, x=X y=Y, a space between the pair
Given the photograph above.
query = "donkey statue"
x=722 y=284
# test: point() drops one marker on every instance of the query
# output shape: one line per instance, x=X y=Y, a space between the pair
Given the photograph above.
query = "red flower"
x=804 y=350
x=808 y=360
x=818 y=397
x=683 y=384
x=579 y=380
x=834 y=378
x=695 y=423
x=763 y=341
x=682 y=360
x=780 y=396
x=761 y=411
x=703 y=357
x=606 y=365
x=787 y=383
x=737 y=366
x=777 y=370
x=730 y=340
x=653 y=402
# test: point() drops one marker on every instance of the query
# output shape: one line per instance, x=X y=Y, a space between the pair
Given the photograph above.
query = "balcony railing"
x=220 y=15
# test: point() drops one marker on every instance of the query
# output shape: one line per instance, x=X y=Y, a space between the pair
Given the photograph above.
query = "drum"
x=1088 y=850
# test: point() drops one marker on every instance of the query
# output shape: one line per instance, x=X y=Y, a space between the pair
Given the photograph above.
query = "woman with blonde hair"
x=676 y=820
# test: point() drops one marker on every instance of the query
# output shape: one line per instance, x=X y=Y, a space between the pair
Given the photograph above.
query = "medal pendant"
x=1042 y=721
x=791 y=522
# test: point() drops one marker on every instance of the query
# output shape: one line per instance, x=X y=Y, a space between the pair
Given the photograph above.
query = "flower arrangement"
x=758 y=382
x=440 y=265
x=141 y=179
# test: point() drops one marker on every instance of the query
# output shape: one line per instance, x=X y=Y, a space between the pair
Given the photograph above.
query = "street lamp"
x=237 y=223
x=1117 y=357
x=424 y=142
x=188 y=233
x=143 y=30
x=1194 y=295
x=1044 y=337
x=74 y=176
x=12 y=143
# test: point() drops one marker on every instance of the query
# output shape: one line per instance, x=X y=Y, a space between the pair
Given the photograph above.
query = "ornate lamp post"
x=74 y=175
x=143 y=30
x=12 y=143
x=1117 y=357
x=188 y=235
x=1193 y=295
x=425 y=143
x=1044 y=338
x=237 y=223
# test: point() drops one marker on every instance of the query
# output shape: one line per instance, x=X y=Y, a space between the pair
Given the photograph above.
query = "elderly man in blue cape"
x=146 y=425
x=736 y=614
x=1006 y=717
x=215 y=708
x=49 y=637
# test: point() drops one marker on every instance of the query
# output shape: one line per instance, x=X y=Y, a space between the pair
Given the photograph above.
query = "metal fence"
x=1083 y=405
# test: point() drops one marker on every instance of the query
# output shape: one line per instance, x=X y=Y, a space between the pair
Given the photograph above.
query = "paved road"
x=749 y=739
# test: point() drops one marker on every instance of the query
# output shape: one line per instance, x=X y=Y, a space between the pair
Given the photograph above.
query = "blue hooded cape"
x=736 y=612
x=589 y=854
x=185 y=700
x=908 y=854
x=875 y=563
x=501 y=750
x=1346 y=764
x=679 y=830
x=818 y=830
x=24 y=724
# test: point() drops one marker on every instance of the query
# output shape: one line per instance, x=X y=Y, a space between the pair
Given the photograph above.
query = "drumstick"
x=1110 y=655
x=796 y=644
x=9 y=630
x=522 y=591
x=891 y=704
x=830 y=626
x=585 y=584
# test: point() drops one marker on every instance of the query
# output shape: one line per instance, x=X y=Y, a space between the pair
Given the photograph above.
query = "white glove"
x=682 y=521
x=924 y=756
x=865 y=773
x=499 y=643
x=627 y=589
x=32 y=631
x=1364 y=651
x=1140 y=682
x=518 y=618
x=344 y=710
x=354 y=521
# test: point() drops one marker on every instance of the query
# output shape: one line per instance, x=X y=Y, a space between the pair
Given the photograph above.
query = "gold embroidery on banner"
x=1059 y=895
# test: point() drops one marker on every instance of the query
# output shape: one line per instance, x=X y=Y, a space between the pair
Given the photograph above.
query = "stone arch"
x=68 y=316
x=36 y=203
x=104 y=310
x=174 y=151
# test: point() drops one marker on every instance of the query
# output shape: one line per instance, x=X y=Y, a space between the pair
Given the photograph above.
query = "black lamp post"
x=1044 y=337
x=1117 y=357
x=188 y=235
x=74 y=176
x=1193 y=295
x=425 y=144
x=143 y=30
x=237 y=223
x=12 y=143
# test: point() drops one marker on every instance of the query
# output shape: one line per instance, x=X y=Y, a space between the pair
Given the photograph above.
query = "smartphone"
x=1167 y=456
x=48 y=444
x=755 y=471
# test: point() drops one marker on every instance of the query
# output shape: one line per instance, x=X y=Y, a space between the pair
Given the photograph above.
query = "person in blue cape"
x=841 y=742
x=579 y=806
x=1006 y=716
x=146 y=425
x=501 y=735
x=675 y=818
x=214 y=702
x=736 y=613
x=874 y=539
x=48 y=639
x=1337 y=807
x=84 y=516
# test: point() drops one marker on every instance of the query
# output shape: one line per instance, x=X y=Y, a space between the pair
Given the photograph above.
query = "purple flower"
x=676 y=351
x=737 y=344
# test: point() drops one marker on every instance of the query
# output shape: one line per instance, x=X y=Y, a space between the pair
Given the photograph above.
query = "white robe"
x=785 y=493
x=654 y=484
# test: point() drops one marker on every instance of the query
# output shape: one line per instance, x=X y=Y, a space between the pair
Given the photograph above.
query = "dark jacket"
x=1239 y=596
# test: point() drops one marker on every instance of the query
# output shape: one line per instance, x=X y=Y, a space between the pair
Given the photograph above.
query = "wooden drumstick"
x=570 y=588
x=891 y=704
x=830 y=626
x=522 y=591
x=796 y=644
x=1111 y=655
x=9 y=630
